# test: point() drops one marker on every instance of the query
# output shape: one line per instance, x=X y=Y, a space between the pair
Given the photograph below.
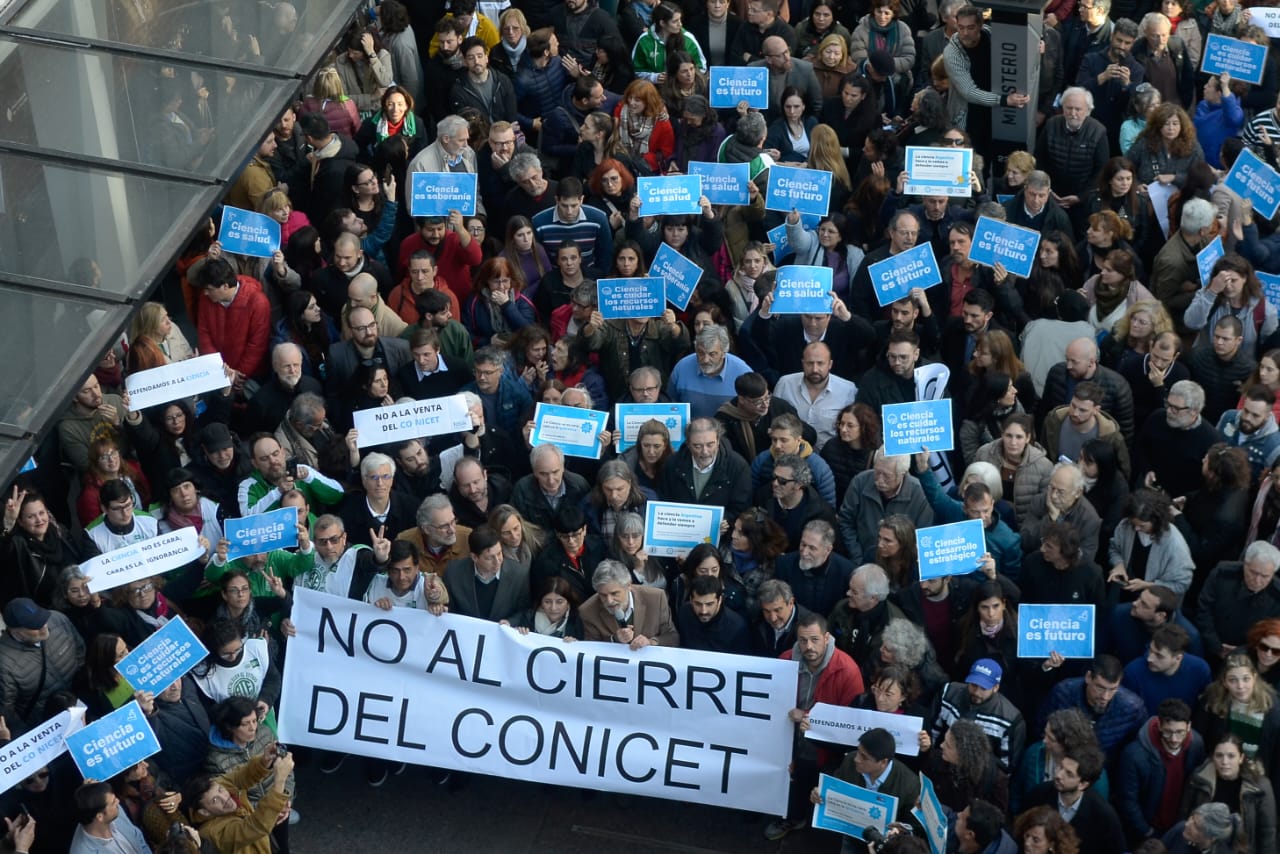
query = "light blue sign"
x=802 y=290
x=265 y=532
x=1254 y=179
x=731 y=85
x=113 y=744
x=1207 y=257
x=1242 y=60
x=805 y=190
x=931 y=817
x=911 y=427
x=953 y=549
x=623 y=298
x=1011 y=245
x=248 y=233
x=670 y=194
x=894 y=277
x=628 y=418
x=849 y=809
x=574 y=431
x=438 y=193
x=723 y=183
x=938 y=171
x=681 y=275
x=672 y=529
x=1270 y=288
x=1003 y=198
x=781 y=246
x=1067 y=630
x=163 y=658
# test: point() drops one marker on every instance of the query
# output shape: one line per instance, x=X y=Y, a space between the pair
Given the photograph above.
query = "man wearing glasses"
x=747 y=416
x=378 y=506
x=1169 y=448
x=118 y=527
x=366 y=346
x=437 y=535
x=784 y=71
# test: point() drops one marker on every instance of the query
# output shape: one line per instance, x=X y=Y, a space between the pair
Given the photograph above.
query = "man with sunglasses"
x=794 y=503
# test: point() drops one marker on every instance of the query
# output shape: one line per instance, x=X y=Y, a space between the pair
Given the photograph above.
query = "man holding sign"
x=657 y=341
x=237 y=322
x=872 y=766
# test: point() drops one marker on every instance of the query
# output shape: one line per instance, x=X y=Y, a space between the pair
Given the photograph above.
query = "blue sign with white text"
x=723 y=183
x=781 y=246
x=849 y=809
x=1206 y=258
x=1242 y=60
x=894 y=277
x=574 y=431
x=248 y=233
x=1012 y=245
x=670 y=194
x=638 y=297
x=732 y=84
x=953 y=549
x=681 y=275
x=1254 y=179
x=163 y=658
x=438 y=193
x=802 y=290
x=1067 y=630
x=265 y=532
x=1271 y=288
x=931 y=817
x=805 y=190
x=113 y=744
x=911 y=427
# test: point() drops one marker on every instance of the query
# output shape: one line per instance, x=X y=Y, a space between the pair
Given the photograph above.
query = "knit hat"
x=881 y=61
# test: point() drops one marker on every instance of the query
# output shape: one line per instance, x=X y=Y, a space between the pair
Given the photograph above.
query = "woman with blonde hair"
x=511 y=53
x=154 y=339
x=521 y=539
x=831 y=62
x=1239 y=702
x=644 y=129
x=824 y=153
x=330 y=98
x=1135 y=332
x=1019 y=165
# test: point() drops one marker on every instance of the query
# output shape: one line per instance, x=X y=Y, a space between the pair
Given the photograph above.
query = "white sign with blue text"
x=723 y=183
x=846 y=725
x=1254 y=179
x=849 y=809
x=261 y=533
x=574 y=431
x=681 y=274
x=1242 y=60
x=438 y=193
x=620 y=299
x=894 y=277
x=175 y=381
x=672 y=529
x=1206 y=258
x=1067 y=630
x=113 y=744
x=155 y=556
x=931 y=817
x=37 y=747
x=1011 y=245
x=802 y=290
x=732 y=84
x=909 y=428
x=163 y=658
x=248 y=233
x=938 y=171
x=793 y=188
x=630 y=417
x=383 y=425
x=670 y=195
x=953 y=549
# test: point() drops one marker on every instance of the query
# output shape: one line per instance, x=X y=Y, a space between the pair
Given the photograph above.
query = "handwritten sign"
x=248 y=233
x=438 y=193
x=894 y=277
x=261 y=533
x=670 y=194
x=802 y=290
x=574 y=431
x=1011 y=245
x=630 y=417
x=163 y=658
x=1253 y=178
x=950 y=549
x=805 y=190
x=911 y=427
x=681 y=275
x=113 y=744
x=1065 y=629
x=849 y=809
x=175 y=381
x=938 y=171
x=723 y=183
x=436 y=416
x=1242 y=60
x=636 y=297
x=731 y=84
x=672 y=529
x=143 y=560
x=1206 y=258
x=845 y=725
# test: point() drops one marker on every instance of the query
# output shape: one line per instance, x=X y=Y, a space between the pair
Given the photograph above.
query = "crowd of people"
x=1115 y=413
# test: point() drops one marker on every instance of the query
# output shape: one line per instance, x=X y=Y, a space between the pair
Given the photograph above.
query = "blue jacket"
x=1124 y=715
x=1002 y=543
x=513 y=400
x=823 y=480
x=1141 y=779
x=1216 y=123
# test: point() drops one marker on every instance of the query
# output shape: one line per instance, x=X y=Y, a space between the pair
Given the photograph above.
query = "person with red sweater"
x=451 y=245
x=238 y=324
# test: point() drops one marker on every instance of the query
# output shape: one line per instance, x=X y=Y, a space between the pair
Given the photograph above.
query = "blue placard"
x=732 y=84
x=931 y=817
x=623 y=298
x=1242 y=60
x=938 y=171
x=723 y=183
x=1011 y=245
x=848 y=809
x=894 y=277
x=1271 y=288
x=163 y=658
x=802 y=290
x=574 y=431
x=628 y=418
x=672 y=529
x=953 y=549
x=910 y=427
x=781 y=246
x=681 y=275
x=1207 y=257
x=248 y=233
x=670 y=194
x=438 y=193
x=1254 y=179
x=113 y=744
x=265 y=532
x=1004 y=199
x=805 y=190
x=1067 y=630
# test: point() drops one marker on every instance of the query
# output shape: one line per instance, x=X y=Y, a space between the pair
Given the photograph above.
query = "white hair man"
x=1072 y=148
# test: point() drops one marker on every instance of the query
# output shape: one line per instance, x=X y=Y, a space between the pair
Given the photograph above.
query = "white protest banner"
x=470 y=695
x=33 y=750
x=175 y=381
x=843 y=725
x=155 y=556
x=1267 y=18
x=383 y=425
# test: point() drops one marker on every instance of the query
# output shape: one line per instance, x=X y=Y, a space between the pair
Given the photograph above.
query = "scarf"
x=157 y=615
x=884 y=38
x=542 y=624
x=638 y=130
x=1107 y=298
x=178 y=519
x=515 y=54
x=408 y=126
x=993 y=631
x=1225 y=24
x=497 y=320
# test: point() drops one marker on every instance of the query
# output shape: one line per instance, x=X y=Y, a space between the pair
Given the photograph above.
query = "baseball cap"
x=985 y=673
x=22 y=613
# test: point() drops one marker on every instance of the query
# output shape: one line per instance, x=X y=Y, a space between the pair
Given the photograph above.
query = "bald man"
x=1081 y=364
x=362 y=292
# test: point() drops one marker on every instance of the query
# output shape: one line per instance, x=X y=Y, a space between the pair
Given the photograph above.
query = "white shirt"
x=821 y=413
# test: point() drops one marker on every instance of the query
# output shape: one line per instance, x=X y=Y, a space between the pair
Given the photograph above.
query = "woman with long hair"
x=364 y=68
x=896 y=550
x=571 y=363
x=1147 y=548
x=1233 y=290
x=1055 y=271
x=277 y=205
x=524 y=253
x=498 y=307
x=303 y=254
x=1213 y=520
x=994 y=350
x=705 y=559
x=644 y=128
x=612 y=186
x=304 y=323
x=330 y=98
x=1024 y=468
x=372 y=201
x=788 y=138
x=1229 y=777
x=1114 y=289
x=1239 y=703
x=754 y=544
x=1166 y=148
x=929 y=122
x=35 y=548
x=99 y=684
x=993 y=398
x=1041 y=830
x=963 y=767
x=522 y=540
x=684 y=80
x=154 y=339
x=237 y=666
x=649 y=454
x=1019 y=165
x=84 y=609
x=616 y=494
x=1105 y=488
x=1117 y=191
x=824 y=154
x=858 y=434
x=529 y=352
x=628 y=260
x=1106 y=233
x=1263 y=648
x=989 y=629
x=107 y=462
x=554 y=613
x=626 y=545
x=699 y=133
x=166 y=436
x=753 y=263
x=1065 y=731
x=1133 y=334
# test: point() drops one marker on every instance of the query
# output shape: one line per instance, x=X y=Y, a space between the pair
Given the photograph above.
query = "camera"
x=291 y=467
x=281 y=750
x=177 y=831
x=875 y=839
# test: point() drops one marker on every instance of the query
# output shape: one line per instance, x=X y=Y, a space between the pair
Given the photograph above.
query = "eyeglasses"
x=368 y=327
x=572 y=535
x=107 y=456
x=239 y=591
x=649 y=389
x=487 y=372
x=1267 y=649
x=1177 y=409
x=380 y=478
x=452 y=523
x=145 y=588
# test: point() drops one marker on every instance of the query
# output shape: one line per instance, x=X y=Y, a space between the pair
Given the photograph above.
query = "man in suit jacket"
x=1094 y=820
x=621 y=613
x=779 y=614
x=364 y=345
x=873 y=767
x=485 y=584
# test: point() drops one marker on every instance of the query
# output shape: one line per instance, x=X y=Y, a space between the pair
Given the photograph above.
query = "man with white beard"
x=269 y=406
x=1072 y=149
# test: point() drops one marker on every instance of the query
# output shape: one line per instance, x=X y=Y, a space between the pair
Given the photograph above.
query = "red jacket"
x=840 y=684
x=240 y=331
x=401 y=301
x=662 y=142
x=453 y=261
